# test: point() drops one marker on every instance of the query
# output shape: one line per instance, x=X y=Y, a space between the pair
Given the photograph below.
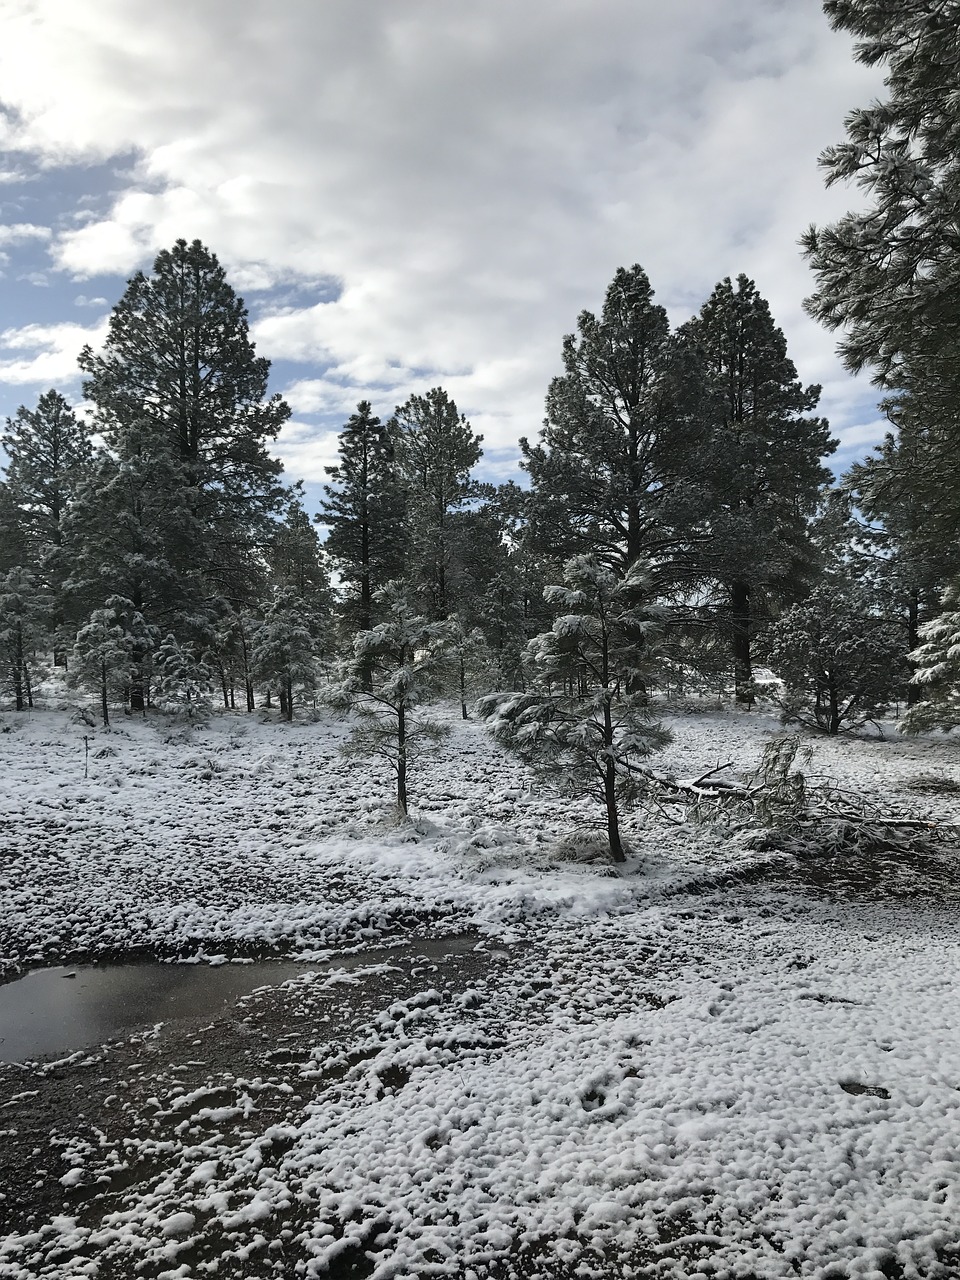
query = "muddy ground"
x=260 y=1049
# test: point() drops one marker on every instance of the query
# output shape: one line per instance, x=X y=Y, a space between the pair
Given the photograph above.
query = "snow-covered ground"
x=711 y=1064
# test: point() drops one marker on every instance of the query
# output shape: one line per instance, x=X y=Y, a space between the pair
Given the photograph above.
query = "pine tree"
x=395 y=667
x=472 y=662
x=101 y=658
x=889 y=274
x=298 y=566
x=179 y=368
x=183 y=682
x=24 y=611
x=579 y=724
x=906 y=493
x=760 y=472
x=12 y=537
x=841 y=659
x=284 y=648
x=49 y=453
x=436 y=450
x=229 y=655
x=363 y=511
x=937 y=668
x=607 y=475
x=133 y=524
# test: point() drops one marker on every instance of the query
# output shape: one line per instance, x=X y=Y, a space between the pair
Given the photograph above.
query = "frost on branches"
x=395 y=667
x=841 y=661
x=584 y=723
x=937 y=673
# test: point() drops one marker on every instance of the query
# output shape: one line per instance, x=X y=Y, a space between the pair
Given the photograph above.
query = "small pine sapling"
x=395 y=667
x=584 y=722
x=472 y=661
x=284 y=647
x=841 y=660
x=101 y=659
x=183 y=683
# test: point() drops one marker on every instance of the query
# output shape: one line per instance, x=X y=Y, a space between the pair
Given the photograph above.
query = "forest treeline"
x=152 y=548
x=676 y=499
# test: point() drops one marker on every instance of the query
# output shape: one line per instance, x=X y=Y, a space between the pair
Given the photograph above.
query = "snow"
x=702 y=1065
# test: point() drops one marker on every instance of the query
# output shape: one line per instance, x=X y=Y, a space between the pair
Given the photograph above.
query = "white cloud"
x=305 y=451
x=46 y=354
x=470 y=175
x=18 y=232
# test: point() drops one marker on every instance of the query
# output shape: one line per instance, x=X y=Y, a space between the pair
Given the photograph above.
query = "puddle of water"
x=64 y=1009
x=61 y=1010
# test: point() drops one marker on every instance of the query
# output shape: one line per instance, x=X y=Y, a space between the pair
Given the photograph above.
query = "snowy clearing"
x=717 y=1063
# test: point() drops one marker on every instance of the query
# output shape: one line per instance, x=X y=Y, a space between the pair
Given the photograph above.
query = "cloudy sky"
x=416 y=192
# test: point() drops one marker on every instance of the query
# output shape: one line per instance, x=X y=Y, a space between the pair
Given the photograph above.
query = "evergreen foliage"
x=608 y=475
x=24 y=612
x=760 y=470
x=363 y=511
x=394 y=669
x=183 y=682
x=135 y=529
x=471 y=659
x=579 y=724
x=48 y=451
x=283 y=648
x=937 y=668
x=842 y=661
x=298 y=566
x=179 y=374
x=11 y=532
x=101 y=658
x=436 y=449
x=889 y=274
x=913 y=522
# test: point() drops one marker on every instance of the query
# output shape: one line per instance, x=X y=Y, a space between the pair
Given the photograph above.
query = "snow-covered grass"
x=688 y=1069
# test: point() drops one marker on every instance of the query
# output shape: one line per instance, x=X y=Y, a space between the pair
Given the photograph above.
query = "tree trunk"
x=247 y=682
x=137 y=697
x=288 y=692
x=104 y=707
x=463 y=689
x=833 y=725
x=914 y=692
x=740 y=619
x=613 y=817
x=402 y=760
x=18 y=667
x=610 y=769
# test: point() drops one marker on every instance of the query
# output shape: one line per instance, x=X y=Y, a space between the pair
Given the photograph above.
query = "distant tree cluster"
x=674 y=525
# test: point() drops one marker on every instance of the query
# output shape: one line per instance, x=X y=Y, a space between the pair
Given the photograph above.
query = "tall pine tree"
x=607 y=474
x=436 y=452
x=363 y=512
x=760 y=472
x=178 y=365
x=49 y=452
